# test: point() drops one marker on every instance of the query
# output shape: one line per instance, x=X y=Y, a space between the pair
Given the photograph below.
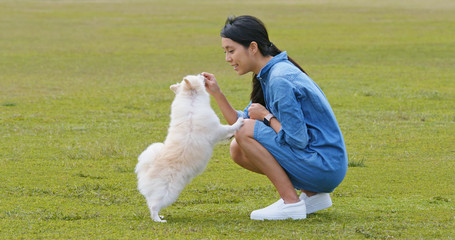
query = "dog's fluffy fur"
x=165 y=168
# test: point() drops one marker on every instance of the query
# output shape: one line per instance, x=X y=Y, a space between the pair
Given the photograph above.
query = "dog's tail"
x=146 y=158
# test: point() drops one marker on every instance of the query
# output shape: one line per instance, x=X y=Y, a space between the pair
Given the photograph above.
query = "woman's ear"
x=253 y=48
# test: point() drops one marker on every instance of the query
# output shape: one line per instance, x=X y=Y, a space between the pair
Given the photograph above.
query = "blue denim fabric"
x=310 y=146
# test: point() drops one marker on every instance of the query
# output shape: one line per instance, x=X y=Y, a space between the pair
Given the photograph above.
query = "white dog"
x=164 y=169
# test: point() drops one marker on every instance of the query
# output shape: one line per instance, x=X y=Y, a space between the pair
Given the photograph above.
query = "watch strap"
x=267 y=119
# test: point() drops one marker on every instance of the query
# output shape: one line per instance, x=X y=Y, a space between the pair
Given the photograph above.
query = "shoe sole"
x=279 y=218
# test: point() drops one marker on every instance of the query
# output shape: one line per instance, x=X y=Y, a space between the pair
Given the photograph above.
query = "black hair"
x=244 y=30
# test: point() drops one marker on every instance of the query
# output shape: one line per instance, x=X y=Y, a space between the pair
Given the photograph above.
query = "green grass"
x=84 y=88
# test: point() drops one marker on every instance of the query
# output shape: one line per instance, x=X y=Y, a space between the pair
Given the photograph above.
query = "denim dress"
x=309 y=146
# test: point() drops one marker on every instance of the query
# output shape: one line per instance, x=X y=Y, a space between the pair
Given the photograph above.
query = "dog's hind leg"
x=156 y=217
x=147 y=157
x=154 y=210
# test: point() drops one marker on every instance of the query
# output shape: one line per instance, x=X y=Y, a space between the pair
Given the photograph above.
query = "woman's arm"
x=275 y=124
x=258 y=112
x=289 y=111
x=229 y=113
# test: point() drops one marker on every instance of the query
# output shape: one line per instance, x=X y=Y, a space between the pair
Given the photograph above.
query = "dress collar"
x=278 y=58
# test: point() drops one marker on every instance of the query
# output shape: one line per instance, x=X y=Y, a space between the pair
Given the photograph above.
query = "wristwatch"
x=267 y=119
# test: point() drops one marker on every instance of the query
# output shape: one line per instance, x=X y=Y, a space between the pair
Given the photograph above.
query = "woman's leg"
x=308 y=193
x=250 y=154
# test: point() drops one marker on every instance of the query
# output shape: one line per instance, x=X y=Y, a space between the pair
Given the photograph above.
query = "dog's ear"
x=175 y=87
x=188 y=84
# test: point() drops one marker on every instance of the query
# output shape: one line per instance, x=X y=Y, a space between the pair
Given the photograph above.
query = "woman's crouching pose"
x=290 y=133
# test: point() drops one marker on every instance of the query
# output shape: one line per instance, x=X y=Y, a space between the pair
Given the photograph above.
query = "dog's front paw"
x=239 y=123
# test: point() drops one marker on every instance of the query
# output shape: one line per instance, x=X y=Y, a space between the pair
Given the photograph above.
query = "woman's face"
x=237 y=56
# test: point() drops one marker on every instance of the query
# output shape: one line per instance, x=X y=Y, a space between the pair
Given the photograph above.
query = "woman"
x=290 y=133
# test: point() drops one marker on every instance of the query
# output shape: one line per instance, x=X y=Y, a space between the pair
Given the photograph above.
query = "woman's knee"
x=239 y=157
x=236 y=152
x=246 y=131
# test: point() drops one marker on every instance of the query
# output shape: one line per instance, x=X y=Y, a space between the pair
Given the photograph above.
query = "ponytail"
x=257 y=95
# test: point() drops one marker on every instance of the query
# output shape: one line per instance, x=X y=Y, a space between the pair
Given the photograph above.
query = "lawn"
x=84 y=89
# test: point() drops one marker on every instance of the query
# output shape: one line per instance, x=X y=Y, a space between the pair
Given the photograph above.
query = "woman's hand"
x=211 y=85
x=257 y=111
x=229 y=113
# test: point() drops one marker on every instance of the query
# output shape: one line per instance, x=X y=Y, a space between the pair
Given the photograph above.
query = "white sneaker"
x=316 y=202
x=280 y=211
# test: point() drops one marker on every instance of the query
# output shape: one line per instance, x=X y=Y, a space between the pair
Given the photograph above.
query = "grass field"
x=84 y=88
